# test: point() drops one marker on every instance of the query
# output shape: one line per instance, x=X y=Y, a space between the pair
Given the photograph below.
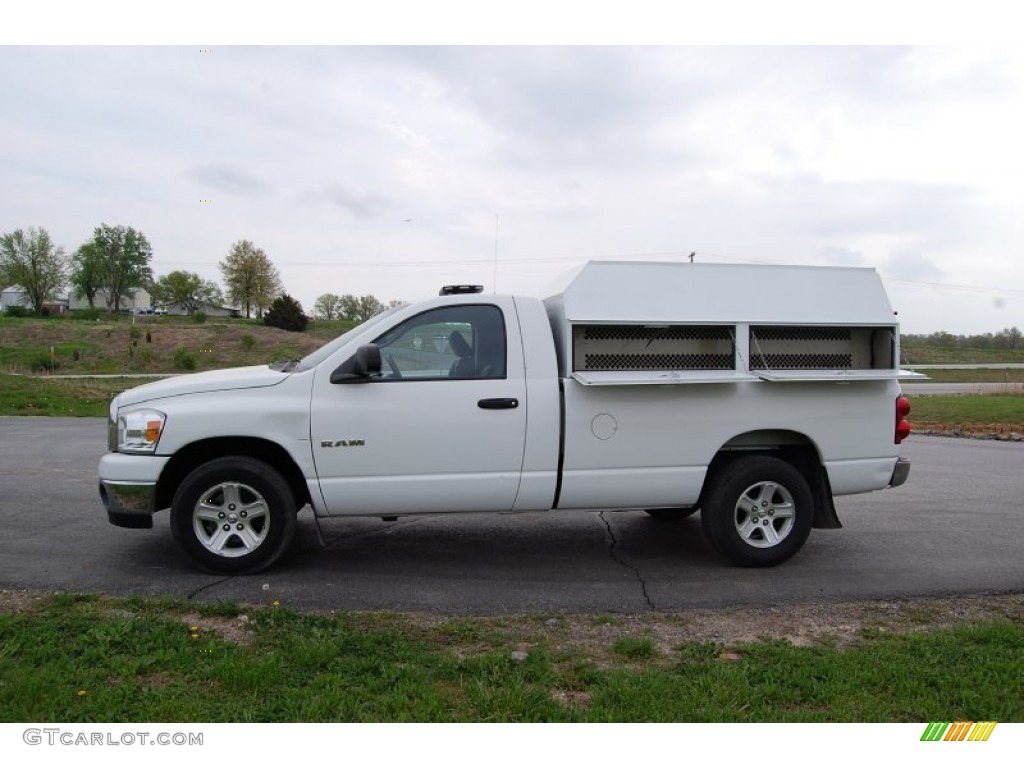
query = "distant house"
x=131 y=301
x=211 y=310
x=18 y=296
x=14 y=296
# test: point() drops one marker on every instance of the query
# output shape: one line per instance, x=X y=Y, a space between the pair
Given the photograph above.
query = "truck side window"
x=459 y=342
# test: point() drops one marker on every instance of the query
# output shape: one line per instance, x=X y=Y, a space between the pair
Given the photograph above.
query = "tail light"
x=902 y=425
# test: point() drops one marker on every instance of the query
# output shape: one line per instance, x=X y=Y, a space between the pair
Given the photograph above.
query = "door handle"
x=496 y=403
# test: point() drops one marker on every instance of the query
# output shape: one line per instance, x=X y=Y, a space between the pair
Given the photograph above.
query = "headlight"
x=139 y=431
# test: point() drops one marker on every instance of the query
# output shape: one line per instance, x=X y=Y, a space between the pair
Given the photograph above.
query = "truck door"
x=442 y=429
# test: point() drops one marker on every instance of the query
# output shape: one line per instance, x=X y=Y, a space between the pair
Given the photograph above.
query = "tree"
x=30 y=259
x=122 y=255
x=328 y=306
x=187 y=289
x=87 y=272
x=360 y=309
x=1008 y=338
x=286 y=313
x=251 y=279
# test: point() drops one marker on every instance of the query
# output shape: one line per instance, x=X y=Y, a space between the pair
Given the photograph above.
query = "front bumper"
x=128 y=506
x=900 y=472
x=127 y=487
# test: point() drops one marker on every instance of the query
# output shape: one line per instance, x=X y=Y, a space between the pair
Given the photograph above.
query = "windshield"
x=314 y=359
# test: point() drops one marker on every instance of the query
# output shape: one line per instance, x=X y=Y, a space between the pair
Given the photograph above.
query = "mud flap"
x=824 y=507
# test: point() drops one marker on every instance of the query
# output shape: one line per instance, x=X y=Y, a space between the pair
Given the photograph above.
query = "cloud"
x=355 y=200
x=913 y=266
x=230 y=179
x=562 y=107
x=901 y=158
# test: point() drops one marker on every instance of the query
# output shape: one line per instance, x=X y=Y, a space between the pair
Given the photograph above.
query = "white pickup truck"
x=751 y=393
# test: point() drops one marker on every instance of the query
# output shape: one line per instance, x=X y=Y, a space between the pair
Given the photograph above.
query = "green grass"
x=43 y=357
x=968 y=410
x=922 y=354
x=70 y=658
x=629 y=647
x=25 y=396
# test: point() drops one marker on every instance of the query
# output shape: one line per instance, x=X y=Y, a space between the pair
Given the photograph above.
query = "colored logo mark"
x=958 y=731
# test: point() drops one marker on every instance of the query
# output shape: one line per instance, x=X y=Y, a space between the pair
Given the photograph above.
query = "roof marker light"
x=450 y=290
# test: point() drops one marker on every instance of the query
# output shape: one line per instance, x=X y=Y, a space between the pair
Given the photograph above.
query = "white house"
x=131 y=300
x=15 y=295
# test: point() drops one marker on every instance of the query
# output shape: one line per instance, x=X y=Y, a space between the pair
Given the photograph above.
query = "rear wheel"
x=758 y=511
x=233 y=515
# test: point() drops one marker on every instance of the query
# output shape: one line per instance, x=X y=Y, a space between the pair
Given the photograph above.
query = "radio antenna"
x=494 y=284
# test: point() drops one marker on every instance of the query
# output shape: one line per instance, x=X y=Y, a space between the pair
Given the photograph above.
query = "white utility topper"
x=751 y=393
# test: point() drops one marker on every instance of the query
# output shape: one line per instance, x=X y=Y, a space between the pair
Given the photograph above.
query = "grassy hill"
x=149 y=344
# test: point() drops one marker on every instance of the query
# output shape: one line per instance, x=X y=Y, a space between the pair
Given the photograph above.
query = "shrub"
x=248 y=341
x=149 y=338
x=286 y=313
x=91 y=313
x=199 y=316
x=135 y=332
x=42 y=361
x=184 y=359
x=15 y=310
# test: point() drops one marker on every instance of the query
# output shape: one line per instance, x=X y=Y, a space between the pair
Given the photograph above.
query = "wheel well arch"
x=796 y=449
x=194 y=454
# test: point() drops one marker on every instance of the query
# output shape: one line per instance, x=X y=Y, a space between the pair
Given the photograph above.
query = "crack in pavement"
x=192 y=595
x=612 y=543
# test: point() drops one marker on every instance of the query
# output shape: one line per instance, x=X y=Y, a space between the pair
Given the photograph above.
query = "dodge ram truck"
x=752 y=394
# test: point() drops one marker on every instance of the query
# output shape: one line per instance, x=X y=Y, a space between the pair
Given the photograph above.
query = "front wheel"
x=758 y=511
x=234 y=514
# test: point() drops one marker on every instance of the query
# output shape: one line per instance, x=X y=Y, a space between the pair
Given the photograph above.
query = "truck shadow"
x=486 y=564
x=492 y=545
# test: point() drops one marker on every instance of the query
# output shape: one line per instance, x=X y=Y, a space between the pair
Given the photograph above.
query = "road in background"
x=927 y=388
x=952 y=529
x=965 y=366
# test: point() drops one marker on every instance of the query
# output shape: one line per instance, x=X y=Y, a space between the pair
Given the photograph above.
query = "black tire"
x=233 y=515
x=671 y=513
x=758 y=511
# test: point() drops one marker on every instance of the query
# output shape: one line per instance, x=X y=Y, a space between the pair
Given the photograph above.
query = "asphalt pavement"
x=954 y=528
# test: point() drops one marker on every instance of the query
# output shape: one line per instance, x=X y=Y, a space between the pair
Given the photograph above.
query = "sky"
x=395 y=169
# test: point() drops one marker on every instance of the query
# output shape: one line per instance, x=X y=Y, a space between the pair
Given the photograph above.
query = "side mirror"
x=362 y=366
